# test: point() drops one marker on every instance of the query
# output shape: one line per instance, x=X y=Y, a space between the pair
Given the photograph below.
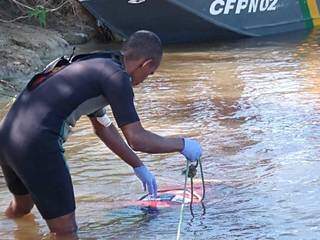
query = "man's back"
x=46 y=107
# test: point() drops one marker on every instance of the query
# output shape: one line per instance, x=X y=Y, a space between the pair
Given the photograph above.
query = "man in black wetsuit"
x=31 y=155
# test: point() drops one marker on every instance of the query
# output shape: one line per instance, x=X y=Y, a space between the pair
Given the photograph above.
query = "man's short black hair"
x=143 y=44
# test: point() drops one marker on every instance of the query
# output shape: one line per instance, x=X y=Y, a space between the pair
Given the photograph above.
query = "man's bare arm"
x=145 y=141
x=112 y=139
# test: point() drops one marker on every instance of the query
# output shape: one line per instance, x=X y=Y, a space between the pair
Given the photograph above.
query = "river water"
x=255 y=107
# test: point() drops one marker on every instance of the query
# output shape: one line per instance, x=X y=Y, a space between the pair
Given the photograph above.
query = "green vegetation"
x=40 y=13
x=34 y=9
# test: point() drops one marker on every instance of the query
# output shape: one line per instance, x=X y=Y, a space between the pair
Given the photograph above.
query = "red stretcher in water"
x=169 y=198
x=173 y=196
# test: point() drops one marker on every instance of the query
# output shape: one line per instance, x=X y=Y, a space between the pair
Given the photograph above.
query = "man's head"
x=142 y=55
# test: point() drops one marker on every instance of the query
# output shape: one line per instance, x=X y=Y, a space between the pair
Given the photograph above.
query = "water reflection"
x=27 y=222
x=254 y=105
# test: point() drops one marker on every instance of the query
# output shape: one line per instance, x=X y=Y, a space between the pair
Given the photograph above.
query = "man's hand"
x=148 y=180
x=191 y=150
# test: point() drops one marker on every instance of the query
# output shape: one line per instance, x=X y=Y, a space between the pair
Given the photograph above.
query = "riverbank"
x=26 y=47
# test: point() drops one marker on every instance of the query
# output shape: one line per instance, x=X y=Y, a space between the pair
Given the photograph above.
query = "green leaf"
x=40 y=13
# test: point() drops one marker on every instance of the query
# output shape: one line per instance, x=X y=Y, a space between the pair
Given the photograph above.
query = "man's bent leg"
x=46 y=177
x=19 y=206
x=22 y=202
x=64 y=226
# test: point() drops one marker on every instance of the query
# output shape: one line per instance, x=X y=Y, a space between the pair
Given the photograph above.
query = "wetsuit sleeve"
x=99 y=113
x=118 y=91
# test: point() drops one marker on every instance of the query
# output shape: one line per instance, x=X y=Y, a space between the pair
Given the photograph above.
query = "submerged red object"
x=168 y=198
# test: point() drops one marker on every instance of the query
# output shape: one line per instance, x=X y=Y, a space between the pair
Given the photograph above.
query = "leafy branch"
x=40 y=12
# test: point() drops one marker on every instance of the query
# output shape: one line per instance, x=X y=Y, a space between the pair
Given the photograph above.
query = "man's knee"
x=65 y=225
x=19 y=206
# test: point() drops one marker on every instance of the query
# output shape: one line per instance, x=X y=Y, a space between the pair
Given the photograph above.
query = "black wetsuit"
x=31 y=155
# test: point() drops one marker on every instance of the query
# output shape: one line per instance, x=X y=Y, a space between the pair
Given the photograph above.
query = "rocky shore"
x=26 y=47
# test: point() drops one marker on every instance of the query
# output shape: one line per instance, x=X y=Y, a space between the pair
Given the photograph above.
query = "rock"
x=75 y=38
x=25 y=49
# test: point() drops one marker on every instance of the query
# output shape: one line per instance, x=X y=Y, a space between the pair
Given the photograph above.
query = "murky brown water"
x=255 y=107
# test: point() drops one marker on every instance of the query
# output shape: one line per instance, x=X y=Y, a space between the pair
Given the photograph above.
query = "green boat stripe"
x=306 y=14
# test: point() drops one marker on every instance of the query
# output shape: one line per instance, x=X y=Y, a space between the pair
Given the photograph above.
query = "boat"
x=183 y=21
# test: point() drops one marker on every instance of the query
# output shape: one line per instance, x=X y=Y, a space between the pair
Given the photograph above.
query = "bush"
x=36 y=9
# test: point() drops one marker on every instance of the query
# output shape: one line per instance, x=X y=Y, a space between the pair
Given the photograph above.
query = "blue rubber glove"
x=191 y=150
x=148 y=180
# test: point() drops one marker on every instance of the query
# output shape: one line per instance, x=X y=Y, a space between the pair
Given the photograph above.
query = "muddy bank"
x=26 y=47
